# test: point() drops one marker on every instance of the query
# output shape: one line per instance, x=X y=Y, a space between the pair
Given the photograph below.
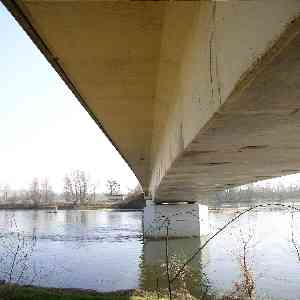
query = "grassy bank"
x=15 y=292
x=12 y=292
x=120 y=206
x=131 y=202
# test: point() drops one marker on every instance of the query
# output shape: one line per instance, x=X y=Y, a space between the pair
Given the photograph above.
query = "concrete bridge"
x=197 y=96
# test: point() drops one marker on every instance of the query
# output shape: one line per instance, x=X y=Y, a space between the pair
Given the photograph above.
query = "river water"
x=104 y=250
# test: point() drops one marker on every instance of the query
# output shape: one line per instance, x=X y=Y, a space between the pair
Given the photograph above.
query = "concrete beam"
x=227 y=97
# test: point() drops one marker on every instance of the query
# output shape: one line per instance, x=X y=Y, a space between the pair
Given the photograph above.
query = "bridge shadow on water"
x=153 y=266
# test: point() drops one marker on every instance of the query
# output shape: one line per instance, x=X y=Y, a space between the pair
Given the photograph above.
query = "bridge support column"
x=182 y=220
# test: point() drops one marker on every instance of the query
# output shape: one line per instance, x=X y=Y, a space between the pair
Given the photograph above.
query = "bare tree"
x=76 y=187
x=93 y=192
x=68 y=189
x=47 y=194
x=113 y=187
x=5 y=190
x=16 y=261
x=245 y=287
x=34 y=192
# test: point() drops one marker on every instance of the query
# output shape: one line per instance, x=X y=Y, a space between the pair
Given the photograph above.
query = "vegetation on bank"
x=78 y=191
x=14 y=292
x=131 y=202
x=252 y=194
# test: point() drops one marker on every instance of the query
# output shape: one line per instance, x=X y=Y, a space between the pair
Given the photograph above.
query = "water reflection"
x=154 y=265
x=78 y=249
x=271 y=255
x=104 y=250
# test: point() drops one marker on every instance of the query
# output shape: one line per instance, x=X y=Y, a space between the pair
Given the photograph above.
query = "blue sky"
x=44 y=131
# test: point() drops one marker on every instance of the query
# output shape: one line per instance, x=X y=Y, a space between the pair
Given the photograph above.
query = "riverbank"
x=136 y=203
x=8 y=292
x=66 y=207
x=16 y=292
x=132 y=202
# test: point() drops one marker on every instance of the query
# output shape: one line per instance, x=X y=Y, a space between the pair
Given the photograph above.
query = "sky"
x=44 y=130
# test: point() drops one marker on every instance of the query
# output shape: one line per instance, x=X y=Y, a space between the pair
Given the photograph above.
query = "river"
x=105 y=251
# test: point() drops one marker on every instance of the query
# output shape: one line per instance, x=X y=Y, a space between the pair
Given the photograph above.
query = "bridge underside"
x=253 y=136
x=197 y=96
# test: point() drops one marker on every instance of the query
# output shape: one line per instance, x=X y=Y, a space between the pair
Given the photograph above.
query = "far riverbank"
x=131 y=203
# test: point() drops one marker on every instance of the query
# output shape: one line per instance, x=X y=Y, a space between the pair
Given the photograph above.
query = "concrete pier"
x=182 y=220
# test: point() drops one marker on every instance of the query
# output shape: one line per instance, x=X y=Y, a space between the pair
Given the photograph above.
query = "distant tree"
x=34 y=192
x=137 y=190
x=5 y=191
x=47 y=194
x=279 y=191
x=76 y=187
x=113 y=187
x=227 y=196
x=248 y=193
x=68 y=189
x=93 y=192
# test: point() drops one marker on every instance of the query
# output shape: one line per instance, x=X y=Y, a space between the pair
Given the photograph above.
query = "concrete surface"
x=181 y=220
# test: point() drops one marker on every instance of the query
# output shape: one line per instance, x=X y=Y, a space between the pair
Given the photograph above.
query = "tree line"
x=78 y=189
x=253 y=193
